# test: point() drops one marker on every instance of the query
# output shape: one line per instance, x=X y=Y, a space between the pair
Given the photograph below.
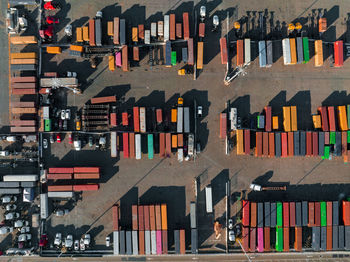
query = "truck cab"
x=180 y=101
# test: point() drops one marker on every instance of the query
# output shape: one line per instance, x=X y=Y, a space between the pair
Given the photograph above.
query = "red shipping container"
x=86 y=170
x=92 y=32
x=125 y=62
x=132 y=145
x=158 y=218
x=265 y=144
x=23 y=79
x=136 y=56
x=292 y=214
x=186 y=24
x=346 y=213
x=162 y=145
x=245 y=213
x=290 y=144
x=190 y=57
x=159 y=116
x=113 y=119
x=311 y=214
x=180 y=140
x=298 y=239
x=167 y=145
x=308 y=143
x=245 y=239
x=223 y=50
x=285 y=214
x=61 y=170
x=58 y=176
x=284 y=144
x=182 y=242
x=223 y=125
x=268 y=116
x=240 y=53
x=164 y=242
x=253 y=214
x=247 y=141
x=87 y=176
x=324 y=118
x=201 y=31
x=317 y=214
x=172 y=27
x=146 y=217
x=141 y=30
x=115 y=216
x=126 y=145
x=62 y=188
x=286 y=239
x=331 y=118
x=23 y=123
x=50 y=74
x=134 y=211
x=22 y=104
x=338 y=53
x=267 y=241
x=89 y=187
x=329 y=213
x=152 y=217
x=142 y=242
x=252 y=239
x=125 y=121
x=258 y=144
x=24 y=85
x=141 y=218
x=136 y=119
x=103 y=99
x=329 y=243
x=24 y=91
x=315 y=143
x=271 y=144
x=178 y=30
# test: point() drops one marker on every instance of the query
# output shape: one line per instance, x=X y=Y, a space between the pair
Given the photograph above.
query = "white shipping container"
x=44 y=206
x=286 y=51
x=21 y=178
x=153 y=243
x=233 y=118
x=138 y=146
x=46 y=112
x=68 y=194
x=153 y=29
x=180 y=154
x=115 y=242
x=143 y=120
x=148 y=242
x=247 y=52
x=160 y=28
x=180 y=113
x=135 y=243
x=147 y=37
x=209 y=199
x=113 y=144
x=166 y=27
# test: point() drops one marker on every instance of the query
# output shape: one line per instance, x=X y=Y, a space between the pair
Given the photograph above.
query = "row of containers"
x=149 y=234
x=295 y=51
x=295 y=226
x=133 y=145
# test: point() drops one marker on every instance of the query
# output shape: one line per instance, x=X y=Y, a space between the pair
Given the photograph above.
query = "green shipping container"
x=279 y=239
x=326 y=152
x=332 y=138
x=173 y=58
x=279 y=215
x=323 y=214
x=306 y=50
x=47 y=124
x=348 y=136
x=150 y=146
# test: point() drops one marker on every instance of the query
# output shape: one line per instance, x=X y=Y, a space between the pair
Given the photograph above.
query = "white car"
x=231 y=236
x=8 y=199
x=4 y=153
x=10 y=207
x=82 y=245
x=77 y=145
x=5 y=230
x=58 y=239
x=67 y=114
x=87 y=239
x=68 y=243
x=255 y=187
x=63 y=114
x=199 y=111
x=108 y=241
x=230 y=224
x=45 y=144
x=11 y=215
x=76 y=245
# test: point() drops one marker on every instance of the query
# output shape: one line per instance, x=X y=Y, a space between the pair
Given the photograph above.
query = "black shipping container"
x=128 y=243
x=122 y=37
x=167 y=53
x=296 y=143
x=194 y=241
x=260 y=215
x=302 y=143
x=323 y=238
x=320 y=143
x=337 y=146
x=335 y=238
x=335 y=219
x=278 y=144
x=177 y=241
x=269 y=54
x=347 y=237
x=122 y=242
x=184 y=55
x=341 y=242
x=316 y=234
x=305 y=213
x=267 y=213
x=300 y=50
x=273 y=215
x=298 y=222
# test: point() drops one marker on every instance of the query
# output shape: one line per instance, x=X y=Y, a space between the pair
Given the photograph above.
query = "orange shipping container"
x=329 y=243
x=342 y=119
x=253 y=214
x=200 y=55
x=103 y=99
x=161 y=145
x=344 y=142
x=158 y=218
x=298 y=239
x=136 y=119
x=173 y=115
x=111 y=63
x=316 y=119
x=286 y=239
x=322 y=25
x=125 y=120
x=87 y=176
x=92 y=32
x=125 y=62
x=186 y=24
x=275 y=122
x=141 y=242
x=240 y=145
x=24 y=110
x=172 y=27
x=293 y=51
x=53 y=50
x=29 y=55
x=267 y=239
x=136 y=53
x=86 y=33
x=23 y=40
x=318 y=53
x=180 y=140
x=179 y=30
x=223 y=50
x=290 y=144
x=141 y=29
x=58 y=176
x=134 y=34
x=76 y=48
x=24 y=91
x=258 y=144
x=294 y=118
x=116 y=30
x=223 y=125
x=174 y=141
x=182 y=242
x=240 y=53
x=79 y=34
x=24 y=85
x=110 y=30
x=21 y=61
x=201 y=31
x=86 y=170
x=286 y=119
x=164 y=217
x=62 y=188
x=134 y=212
x=132 y=145
x=265 y=144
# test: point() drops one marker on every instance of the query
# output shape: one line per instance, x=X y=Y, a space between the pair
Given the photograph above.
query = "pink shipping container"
x=260 y=239
x=90 y=187
x=86 y=170
x=159 y=242
x=61 y=170
x=118 y=59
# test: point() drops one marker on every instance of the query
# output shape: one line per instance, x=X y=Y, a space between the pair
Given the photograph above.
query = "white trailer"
x=115 y=242
x=166 y=27
x=153 y=243
x=66 y=194
x=20 y=178
x=147 y=37
x=135 y=243
x=180 y=119
x=148 y=242
x=233 y=118
x=44 y=206
x=113 y=144
x=209 y=199
x=286 y=51
x=180 y=154
x=143 y=120
x=160 y=28
x=247 y=52
x=154 y=29
x=138 y=146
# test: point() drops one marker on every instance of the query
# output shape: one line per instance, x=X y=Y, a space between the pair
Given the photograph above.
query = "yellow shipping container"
x=110 y=28
x=343 y=124
x=294 y=118
x=24 y=55
x=293 y=51
x=173 y=115
x=318 y=53
x=21 y=40
x=53 y=50
x=86 y=33
x=24 y=61
x=275 y=122
x=111 y=63
x=240 y=144
x=134 y=34
x=79 y=34
x=316 y=119
x=200 y=55
x=286 y=118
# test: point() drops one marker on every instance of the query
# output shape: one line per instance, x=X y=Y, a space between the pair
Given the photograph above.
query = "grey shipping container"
x=11 y=191
x=300 y=51
x=296 y=143
x=302 y=143
x=335 y=238
x=260 y=214
x=74 y=53
x=193 y=215
x=23 y=67
x=122 y=36
x=269 y=56
x=323 y=238
x=128 y=243
x=67 y=194
x=267 y=213
x=320 y=143
x=98 y=32
x=305 y=213
x=177 y=241
x=122 y=242
x=135 y=243
x=335 y=219
x=186 y=119
x=341 y=240
x=9 y=184
x=278 y=145
x=115 y=242
x=153 y=243
x=347 y=237
x=28 y=184
x=298 y=222
x=262 y=54
x=148 y=242
x=337 y=146
x=167 y=53
x=194 y=241
x=273 y=215
x=184 y=54
x=316 y=235
x=44 y=206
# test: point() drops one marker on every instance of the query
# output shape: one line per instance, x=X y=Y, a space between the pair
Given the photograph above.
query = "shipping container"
x=294 y=119
x=335 y=212
x=273 y=215
x=118 y=59
x=347 y=237
x=116 y=243
x=182 y=242
x=323 y=245
x=253 y=214
x=286 y=119
x=305 y=213
x=132 y=145
x=300 y=53
x=141 y=244
x=260 y=247
x=265 y=144
x=150 y=146
x=290 y=144
x=115 y=217
x=208 y=199
x=269 y=53
x=61 y=170
x=167 y=144
x=92 y=32
x=320 y=143
x=147 y=37
x=240 y=53
x=116 y=30
x=122 y=33
x=58 y=176
x=316 y=238
x=284 y=144
x=223 y=125
x=335 y=237
x=298 y=239
x=296 y=138
x=309 y=143
x=24 y=85
x=177 y=241
x=180 y=139
x=89 y=187
x=186 y=24
x=328 y=215
x=262 y=54
x=318 y=53
x=252 y=238
x=247 y=54
x=126 y=145
x=171 y=26
x=186 y=119
x=86 y=33
x=278 y=148
x=178 y=30
x=174 y=141
x=324 y=116
x=166 y=27
x=147 y=242
x=122 y=237
x=341 y=239
x=190 y=52
x=134 y=34
x=302 y=143
x=342 y=118
x=128 y=243
x=194 y=241
x=154 y=29
x=162 y=145
x=180 y=119
x=63 y=188
x=111 y=63
x=23 y=67
x=247 y=141
x=142 y=120
x=79 y=34
x=22 y=61
x=200 y=46
x=23 y=40
x=286 y=51
x=259 y=144
x=245 y=239
x=160 y=27
x=22 y=122
x=245 y=213
x=338 y=146
x=267 y=214
x=84 y=170
x=316 y=119
x=293 y=51
x=286 y=217
x=268 y=118
x=27 y=184
x=260 y=221
x=344 y=143
x=104 y=99
x=136 y=56
x=317 y=214
x=292 y=214
x=113 y=119
x=286 y=239
x=44 y=206
x=329 y=240
x=346 y=212
x=223 y=50
x=153 y=242
x=298 y=217
x=167 y=54
x=239 y=141
x=279 y=239
x=338 y=53
x=24 y=91
x=125 y=61
x=27 y=55
x=314 y=144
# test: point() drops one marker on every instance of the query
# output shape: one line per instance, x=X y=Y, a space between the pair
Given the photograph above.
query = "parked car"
x=58 y=239
x=70 y=137
x=63 y=114
x=61 y=212
x=108 y=241
x=231 y=236
x=5 y=230
x=25 y=230
x=24 y=237
x=68 y=243
x=43 y=240
x=230 y=223
x=58 y=138
x=45 y=144
x=67 y=114
x=91 y=141
x=77 y=123
x=8 y=199
x=52 y=140
x=11 y=215
x=82 y=245
x=11 y=207
x=76 y=245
